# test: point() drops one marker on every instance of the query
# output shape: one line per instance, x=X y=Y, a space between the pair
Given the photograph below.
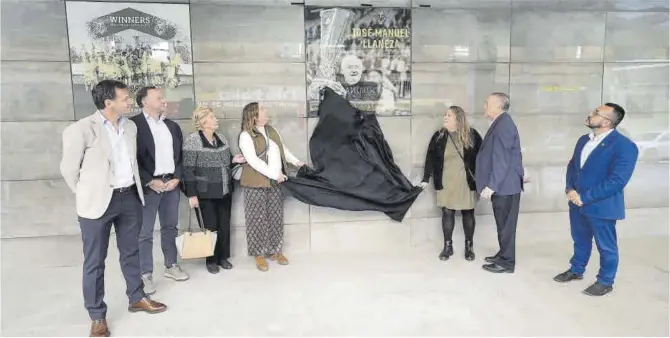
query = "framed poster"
x=367 y=50
x=140 y=44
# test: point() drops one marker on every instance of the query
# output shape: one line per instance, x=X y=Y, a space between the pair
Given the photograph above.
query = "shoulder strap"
x=461 y=156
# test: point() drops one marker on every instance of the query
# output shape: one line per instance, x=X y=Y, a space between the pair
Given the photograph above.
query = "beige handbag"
x=192 y=245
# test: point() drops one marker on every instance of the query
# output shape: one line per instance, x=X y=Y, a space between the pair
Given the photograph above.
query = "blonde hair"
x=462 y=128
x=249 y=116
x=199 y=114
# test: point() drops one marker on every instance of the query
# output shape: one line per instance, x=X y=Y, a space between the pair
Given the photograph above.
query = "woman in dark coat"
x=450 y=159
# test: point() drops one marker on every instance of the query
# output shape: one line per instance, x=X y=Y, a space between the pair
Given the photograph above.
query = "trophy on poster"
x=335 y=25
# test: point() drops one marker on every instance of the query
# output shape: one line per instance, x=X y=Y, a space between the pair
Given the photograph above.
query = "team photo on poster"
x=138 y=44
x=365 y=50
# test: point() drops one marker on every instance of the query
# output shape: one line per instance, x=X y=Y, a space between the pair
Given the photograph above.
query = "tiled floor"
x=408 y=292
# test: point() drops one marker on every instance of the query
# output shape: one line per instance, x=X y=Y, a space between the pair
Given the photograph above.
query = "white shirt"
x=163 y=148
x=271 y=169
x=591 y=145
x=123 y=167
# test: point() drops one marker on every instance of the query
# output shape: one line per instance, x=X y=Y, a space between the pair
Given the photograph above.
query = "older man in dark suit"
x=499 y=177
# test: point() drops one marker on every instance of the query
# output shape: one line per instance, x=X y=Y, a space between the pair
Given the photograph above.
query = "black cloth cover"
x=353 y=164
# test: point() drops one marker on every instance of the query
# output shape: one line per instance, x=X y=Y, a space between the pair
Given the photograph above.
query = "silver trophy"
x=335 y=26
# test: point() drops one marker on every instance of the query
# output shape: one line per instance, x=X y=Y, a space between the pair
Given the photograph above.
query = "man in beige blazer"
x=99 y=165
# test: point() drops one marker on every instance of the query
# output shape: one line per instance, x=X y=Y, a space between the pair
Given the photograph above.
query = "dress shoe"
x=447 y=251
x=212 y=268
x=99 y=328
x=567 y=276
x=147 y=305
x=469 y=253
x=279 y=258
x=261 y=263
x=225 y=264
x=495 y=268
x=492 y=259
x=597 y=289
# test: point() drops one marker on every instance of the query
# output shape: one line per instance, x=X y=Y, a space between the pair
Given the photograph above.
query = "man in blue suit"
x=601 y=166
x=499 y=177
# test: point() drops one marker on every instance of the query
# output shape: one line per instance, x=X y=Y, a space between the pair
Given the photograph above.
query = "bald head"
x=496 y=104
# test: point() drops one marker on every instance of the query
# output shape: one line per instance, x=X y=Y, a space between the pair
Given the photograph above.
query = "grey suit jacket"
x=88 y=164
x=499 y=163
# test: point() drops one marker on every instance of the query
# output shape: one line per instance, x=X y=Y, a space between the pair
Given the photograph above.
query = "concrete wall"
x=557 y=59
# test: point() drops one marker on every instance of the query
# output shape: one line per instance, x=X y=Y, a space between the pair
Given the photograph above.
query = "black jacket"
x=146 y=148
x=434 y=164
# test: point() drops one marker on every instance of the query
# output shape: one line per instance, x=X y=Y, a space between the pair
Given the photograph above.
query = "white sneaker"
x=175 y=272
x=149 y=287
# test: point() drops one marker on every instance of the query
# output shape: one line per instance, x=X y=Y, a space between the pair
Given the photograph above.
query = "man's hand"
x=300 y=164
x=157 y=186
x=526 y=179
x=574 y=197
x=171 y=184
x=239 y=158
x=423 y=185
x=486 y=193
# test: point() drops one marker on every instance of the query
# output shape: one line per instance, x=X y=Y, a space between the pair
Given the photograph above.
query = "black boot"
x=447 y=251
x=469 y=254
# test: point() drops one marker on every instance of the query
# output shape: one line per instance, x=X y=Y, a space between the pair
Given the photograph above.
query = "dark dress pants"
x=216 y=216
x=506 y=214
x=167 y=206
x=125 y=213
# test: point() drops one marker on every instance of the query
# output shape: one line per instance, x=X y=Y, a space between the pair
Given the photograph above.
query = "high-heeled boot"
x=469 y=253
x=447 y=251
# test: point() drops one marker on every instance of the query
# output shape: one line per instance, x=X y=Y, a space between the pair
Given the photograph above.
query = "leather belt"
x=125 y=189
x=164 y=177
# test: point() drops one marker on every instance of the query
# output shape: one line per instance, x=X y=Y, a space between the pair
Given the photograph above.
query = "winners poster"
x=138 y=44
x=366 y=50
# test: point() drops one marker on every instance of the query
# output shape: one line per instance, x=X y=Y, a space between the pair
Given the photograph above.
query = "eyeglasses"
x=596 y=112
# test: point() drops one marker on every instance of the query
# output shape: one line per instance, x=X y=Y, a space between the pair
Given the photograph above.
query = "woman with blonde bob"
x=208 y=184
x=267 y=159
x=450 y=159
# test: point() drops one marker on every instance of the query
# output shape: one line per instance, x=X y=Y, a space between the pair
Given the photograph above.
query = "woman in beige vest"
x=266 y=157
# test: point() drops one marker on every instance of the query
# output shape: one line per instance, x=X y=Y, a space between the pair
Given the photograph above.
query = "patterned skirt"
x=264 y=218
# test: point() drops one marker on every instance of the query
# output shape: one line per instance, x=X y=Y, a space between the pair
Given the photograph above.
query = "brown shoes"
x=147 y=305
x=281 y=259
x=99 y=328
x=261 y=263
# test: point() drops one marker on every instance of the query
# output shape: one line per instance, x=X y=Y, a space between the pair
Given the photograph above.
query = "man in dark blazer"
x=159 y=146
x=600 y=168
x=499 y=177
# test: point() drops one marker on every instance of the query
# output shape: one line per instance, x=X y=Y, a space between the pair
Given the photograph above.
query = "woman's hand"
x=300 y=164
x=239 y=158
x=193 y=202
x=282 y=178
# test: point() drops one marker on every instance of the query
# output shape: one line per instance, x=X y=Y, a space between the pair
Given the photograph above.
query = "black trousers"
x=216 y=216
x=506 y=214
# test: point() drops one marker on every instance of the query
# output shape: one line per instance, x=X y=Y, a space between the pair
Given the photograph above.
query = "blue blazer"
x=606 y=172
x=499 y=164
